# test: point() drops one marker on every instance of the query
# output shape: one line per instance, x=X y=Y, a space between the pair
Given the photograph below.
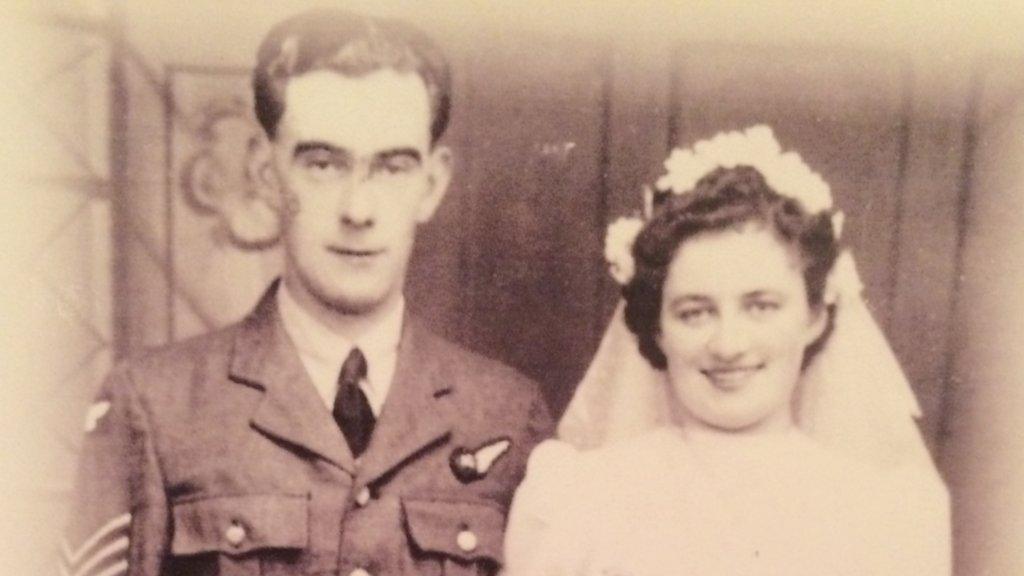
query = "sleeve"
x=913 y=533
x=544 y=536
x=119 y=520
x=926 y=515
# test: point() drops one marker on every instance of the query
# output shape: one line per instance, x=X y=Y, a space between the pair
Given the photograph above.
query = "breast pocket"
x=464 y=537
x=230 y=535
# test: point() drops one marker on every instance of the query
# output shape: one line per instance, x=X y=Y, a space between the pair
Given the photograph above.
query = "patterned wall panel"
x=57 y=332
x=222 y=232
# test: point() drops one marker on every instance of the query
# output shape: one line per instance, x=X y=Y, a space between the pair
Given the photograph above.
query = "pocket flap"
x=465 y=530
x=239 y=524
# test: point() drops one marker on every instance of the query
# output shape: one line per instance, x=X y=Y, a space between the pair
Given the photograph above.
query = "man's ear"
x=439 y=176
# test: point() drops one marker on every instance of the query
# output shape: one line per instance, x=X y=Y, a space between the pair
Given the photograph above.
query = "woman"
x=752 y=419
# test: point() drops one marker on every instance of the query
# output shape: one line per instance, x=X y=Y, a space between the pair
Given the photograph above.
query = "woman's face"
x=734 y=325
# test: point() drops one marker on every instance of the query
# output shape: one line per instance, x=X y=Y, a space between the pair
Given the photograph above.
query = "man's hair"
x=350 y=44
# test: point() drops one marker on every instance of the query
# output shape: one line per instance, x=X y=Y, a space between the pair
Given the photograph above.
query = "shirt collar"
x=313 y=339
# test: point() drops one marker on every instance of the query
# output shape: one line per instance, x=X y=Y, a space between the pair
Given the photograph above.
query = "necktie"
x=351 y=408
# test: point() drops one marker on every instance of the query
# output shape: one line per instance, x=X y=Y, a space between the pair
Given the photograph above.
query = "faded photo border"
x=129 y=223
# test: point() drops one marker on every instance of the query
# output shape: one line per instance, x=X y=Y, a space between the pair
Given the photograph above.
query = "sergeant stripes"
x=105 y=553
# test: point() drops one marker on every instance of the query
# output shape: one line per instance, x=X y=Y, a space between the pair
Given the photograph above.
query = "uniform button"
x=363 y=496
x=359 y=572
x=235 y=534
x=467 y=541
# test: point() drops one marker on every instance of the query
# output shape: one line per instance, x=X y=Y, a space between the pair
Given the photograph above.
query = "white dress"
x=674 y=503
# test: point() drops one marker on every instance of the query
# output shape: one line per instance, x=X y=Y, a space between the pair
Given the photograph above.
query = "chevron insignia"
x=105 y=553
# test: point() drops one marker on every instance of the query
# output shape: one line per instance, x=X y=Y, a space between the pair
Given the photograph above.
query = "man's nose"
x=357 y=203
x=730 y=339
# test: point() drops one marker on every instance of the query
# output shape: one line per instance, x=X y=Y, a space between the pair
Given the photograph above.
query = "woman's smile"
x=730 y=378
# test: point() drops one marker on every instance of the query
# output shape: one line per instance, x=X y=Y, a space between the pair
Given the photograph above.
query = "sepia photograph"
x=518 y=288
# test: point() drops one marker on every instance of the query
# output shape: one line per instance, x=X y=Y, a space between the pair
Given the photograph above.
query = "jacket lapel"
x=290 y=410
x=419 y=406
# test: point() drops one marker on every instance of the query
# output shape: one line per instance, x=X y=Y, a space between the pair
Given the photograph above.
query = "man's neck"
x=347 y=325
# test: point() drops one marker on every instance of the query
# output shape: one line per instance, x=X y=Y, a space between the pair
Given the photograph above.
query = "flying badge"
x=94 y=414
x=473 y=464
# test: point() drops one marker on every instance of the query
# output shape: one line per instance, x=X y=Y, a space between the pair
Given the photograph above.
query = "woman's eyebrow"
x=690 y=298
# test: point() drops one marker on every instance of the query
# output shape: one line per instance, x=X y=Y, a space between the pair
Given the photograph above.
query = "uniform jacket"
x=217 y=456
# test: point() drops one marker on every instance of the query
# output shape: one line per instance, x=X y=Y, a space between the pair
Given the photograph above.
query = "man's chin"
x=353 y=305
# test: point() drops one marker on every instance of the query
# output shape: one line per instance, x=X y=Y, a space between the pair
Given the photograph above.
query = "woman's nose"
x=730 y=339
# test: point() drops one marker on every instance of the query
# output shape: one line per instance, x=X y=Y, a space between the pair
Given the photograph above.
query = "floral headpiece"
x=756 y=147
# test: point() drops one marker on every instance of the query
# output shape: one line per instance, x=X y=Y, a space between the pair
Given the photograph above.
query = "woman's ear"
x=817 y=323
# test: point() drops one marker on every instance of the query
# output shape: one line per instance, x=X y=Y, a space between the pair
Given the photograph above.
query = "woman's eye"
x=763 y=307
x=693 y=316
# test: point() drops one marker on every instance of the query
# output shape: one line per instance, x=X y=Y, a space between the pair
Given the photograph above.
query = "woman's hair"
x=726 y=198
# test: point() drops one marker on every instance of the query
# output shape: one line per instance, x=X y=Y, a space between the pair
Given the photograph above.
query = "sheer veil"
x=852 y=397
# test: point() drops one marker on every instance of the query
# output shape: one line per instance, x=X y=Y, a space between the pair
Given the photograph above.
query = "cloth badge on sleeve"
x=104 y=553
x=473 y=464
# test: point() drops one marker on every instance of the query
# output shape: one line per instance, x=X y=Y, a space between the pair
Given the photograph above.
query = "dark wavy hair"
x=350 y=44
x=726 y=198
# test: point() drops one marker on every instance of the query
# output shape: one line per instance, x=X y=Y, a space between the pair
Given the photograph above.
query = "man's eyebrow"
x=394 y=152
x=317 y=146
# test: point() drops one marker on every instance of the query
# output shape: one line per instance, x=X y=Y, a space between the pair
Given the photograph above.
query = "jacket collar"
x=291 y=409
x=416 y=413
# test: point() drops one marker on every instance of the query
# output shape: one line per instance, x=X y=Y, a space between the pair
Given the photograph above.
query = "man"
x=328 y=432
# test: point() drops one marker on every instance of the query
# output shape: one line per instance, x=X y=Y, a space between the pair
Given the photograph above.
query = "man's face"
x=356 y=173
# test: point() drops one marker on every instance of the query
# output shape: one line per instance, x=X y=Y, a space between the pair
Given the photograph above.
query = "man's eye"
x=399 y=165
x=321 y=169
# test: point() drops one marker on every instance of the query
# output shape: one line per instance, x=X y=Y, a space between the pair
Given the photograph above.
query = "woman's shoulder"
x=651 y=444
x=558 y=464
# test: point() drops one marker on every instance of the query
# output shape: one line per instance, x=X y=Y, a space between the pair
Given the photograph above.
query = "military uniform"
x=217 y=456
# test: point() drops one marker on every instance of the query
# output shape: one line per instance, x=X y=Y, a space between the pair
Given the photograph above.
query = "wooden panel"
x=532 y=165
x=141 y=212
x=638 y=139
x=929 y=233
x=982 y=455
x=843 y=111
x=435 y=284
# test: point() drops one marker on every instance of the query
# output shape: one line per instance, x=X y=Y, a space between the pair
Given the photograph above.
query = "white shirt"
x=322 y=351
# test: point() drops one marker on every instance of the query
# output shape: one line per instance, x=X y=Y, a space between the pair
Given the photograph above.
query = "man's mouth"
x=731 y=377
x=353 y=252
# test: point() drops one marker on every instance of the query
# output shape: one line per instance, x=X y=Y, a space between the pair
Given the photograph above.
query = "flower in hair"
x=756 y=147
x=618 y=247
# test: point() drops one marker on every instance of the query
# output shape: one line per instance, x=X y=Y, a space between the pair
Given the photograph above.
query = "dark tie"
x=351 y=408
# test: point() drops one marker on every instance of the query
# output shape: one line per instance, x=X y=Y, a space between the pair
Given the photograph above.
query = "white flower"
x=618 y=248
x=756 y=147
x=785 y=172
